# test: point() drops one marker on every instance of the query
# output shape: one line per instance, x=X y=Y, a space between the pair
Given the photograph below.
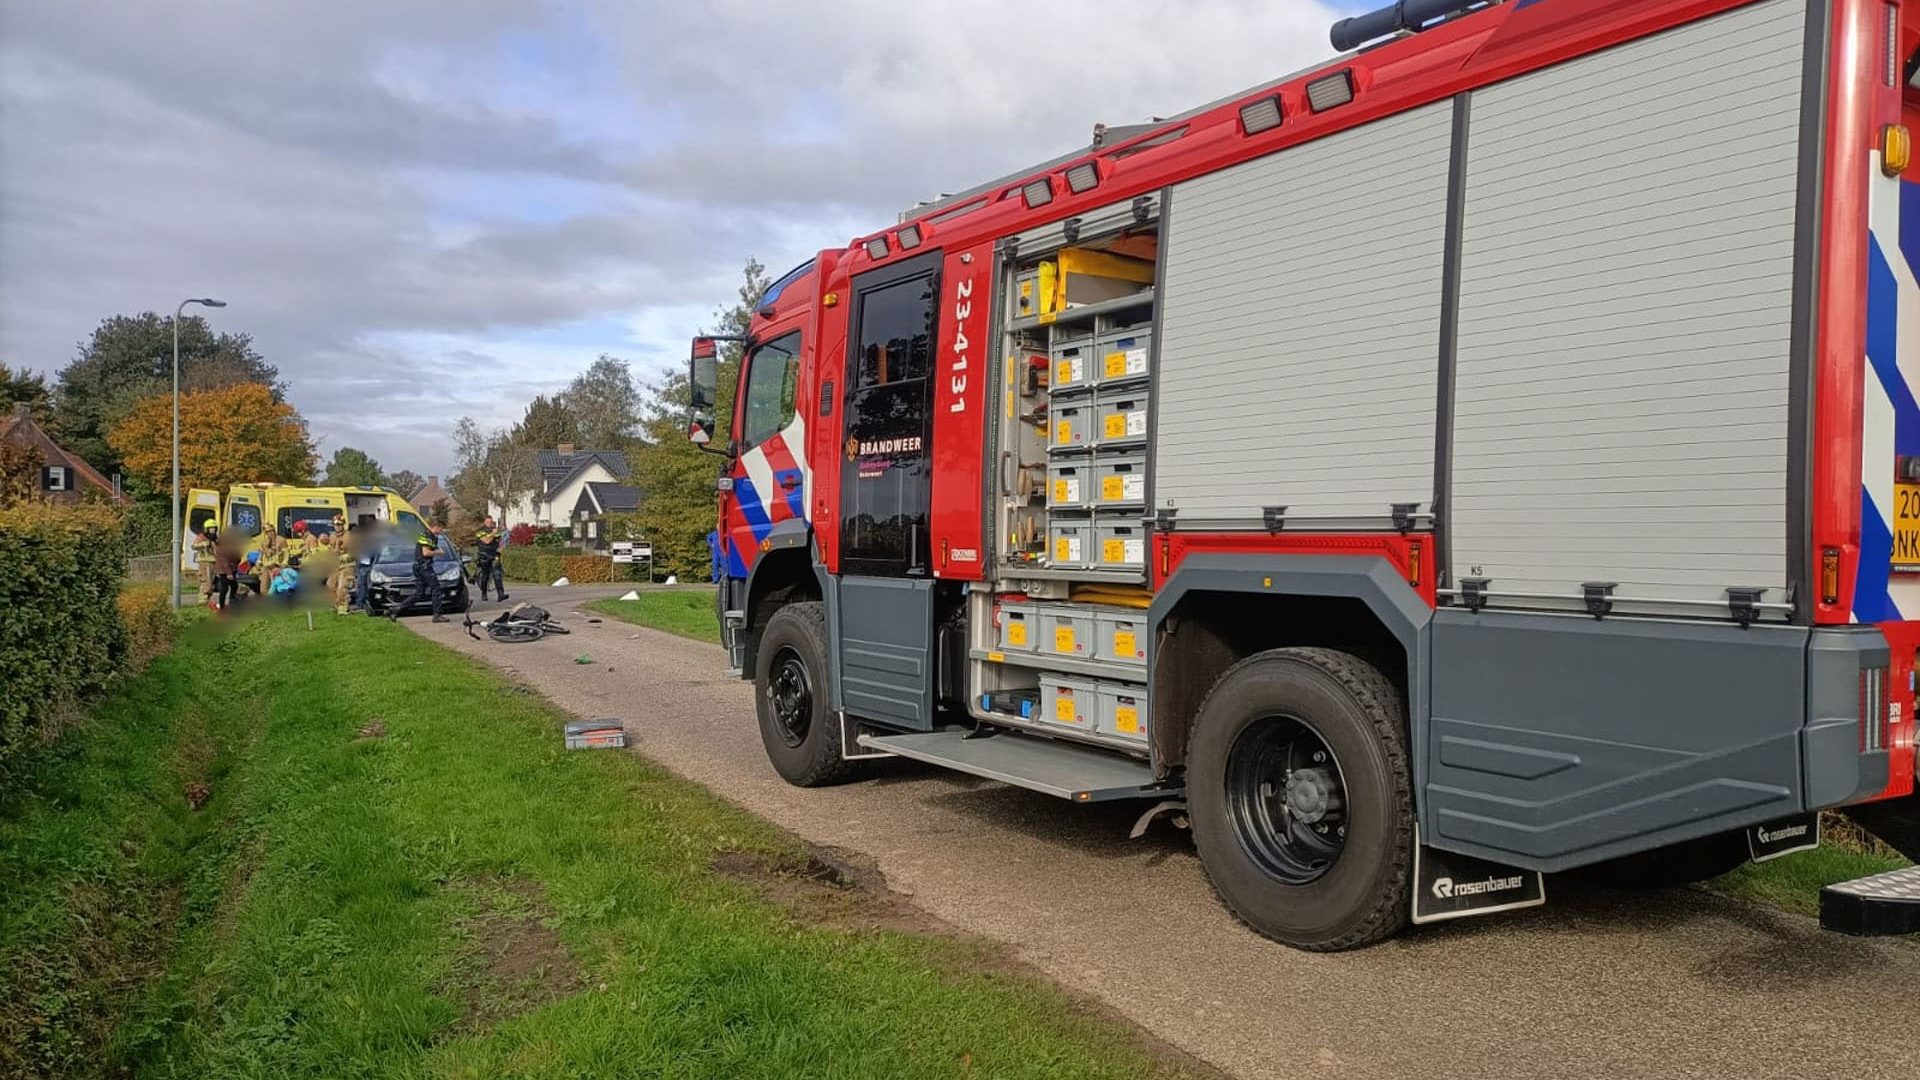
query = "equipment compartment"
x=1069 y=702
x=1119 y=544
x=1073 y=365
x=1122 y=416
x=1124 y=353
x=1123 y=710
x=1121 y=637
x=1018 y=629
x=1071 y=425
x=1070 y=485
x=1067 y=630
x=1069 y=543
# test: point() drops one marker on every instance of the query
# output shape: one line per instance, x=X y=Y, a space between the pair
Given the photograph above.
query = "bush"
x=61 y=639
x=548 y=538
x=580 y=568
x=149 y=622
x=530 y=564
x=149 y=527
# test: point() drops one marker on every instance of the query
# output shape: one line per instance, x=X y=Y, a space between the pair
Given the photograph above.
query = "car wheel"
x=1301 y=798
x=792 y=698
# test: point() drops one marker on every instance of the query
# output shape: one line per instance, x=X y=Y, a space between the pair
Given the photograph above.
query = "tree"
x=234 y=435
x=676 y=475
x=353 y=468
x=547 y=424
x=19 y=473
x=604 y=405
x=406 y=481
x=25 y=386
x=493 y=469
x=130 y=357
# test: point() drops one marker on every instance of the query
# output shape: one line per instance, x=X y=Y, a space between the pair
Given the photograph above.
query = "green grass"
x=687 y=611
x=329 y=910
x=1793 y=882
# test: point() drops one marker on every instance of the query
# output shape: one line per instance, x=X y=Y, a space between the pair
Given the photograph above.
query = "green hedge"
x=61 y=638
x=532 y=564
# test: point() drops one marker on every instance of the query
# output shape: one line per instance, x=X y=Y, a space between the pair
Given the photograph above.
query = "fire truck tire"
x=1301 y=798
x=792 y=698
x=1668 y=867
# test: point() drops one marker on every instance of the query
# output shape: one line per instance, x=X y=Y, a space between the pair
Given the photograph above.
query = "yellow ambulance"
x=250 y=510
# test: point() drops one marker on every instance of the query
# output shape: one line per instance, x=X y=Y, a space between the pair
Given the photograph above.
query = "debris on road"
x=561 y=581
x=599 y=734
x=631 y=594
x=583 y=658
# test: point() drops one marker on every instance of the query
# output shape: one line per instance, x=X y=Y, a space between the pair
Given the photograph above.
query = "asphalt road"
x=1596 y=984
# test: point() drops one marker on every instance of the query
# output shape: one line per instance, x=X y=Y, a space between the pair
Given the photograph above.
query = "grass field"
x=351 y=853
x=1793 y=882
x=685 y=610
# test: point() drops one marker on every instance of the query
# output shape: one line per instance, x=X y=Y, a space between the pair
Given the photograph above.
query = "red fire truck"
x=1489 y=453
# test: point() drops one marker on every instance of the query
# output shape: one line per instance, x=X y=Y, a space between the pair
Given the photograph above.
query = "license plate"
x=1906 y=528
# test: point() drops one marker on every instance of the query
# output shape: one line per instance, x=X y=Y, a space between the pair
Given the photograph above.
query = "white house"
x=563 y=474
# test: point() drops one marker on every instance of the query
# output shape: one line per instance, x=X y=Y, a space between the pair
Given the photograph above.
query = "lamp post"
x=204 y=301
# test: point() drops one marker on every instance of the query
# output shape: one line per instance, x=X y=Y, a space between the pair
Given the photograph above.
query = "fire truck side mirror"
x=703 y=384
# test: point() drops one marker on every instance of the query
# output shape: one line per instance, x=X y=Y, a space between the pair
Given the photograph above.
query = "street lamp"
x=204 y=301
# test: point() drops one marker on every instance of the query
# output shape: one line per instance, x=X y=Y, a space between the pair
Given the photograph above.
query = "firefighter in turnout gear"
x=487 y=558
x=425 y=581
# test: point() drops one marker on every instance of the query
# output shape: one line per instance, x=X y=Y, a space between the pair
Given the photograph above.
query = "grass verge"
x=349 y=852
x=1793 y=882
x=686 y=611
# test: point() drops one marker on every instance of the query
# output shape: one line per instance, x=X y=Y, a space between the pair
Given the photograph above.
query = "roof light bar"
x=909 y=237
x=1083 y=177
x=1037 y=193
x=877 y=248
x=1259 y=116
x=1330 y=91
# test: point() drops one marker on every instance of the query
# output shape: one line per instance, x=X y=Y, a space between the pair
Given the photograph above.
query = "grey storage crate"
x=1026 y=294
x=1071 y=424
x=1067 y=630
x=1119 y=482
x=1070 y=484
x=1119 y=543
x=1121 y=416
x=1069 y=702
x=1073 y=364
x=1121 y=637
x=1069 y=543
x=1124 y=354
x=1123 y=710
x=1019 y=629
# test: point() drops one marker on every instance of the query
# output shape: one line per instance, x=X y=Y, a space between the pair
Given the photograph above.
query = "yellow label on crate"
x=1116 y=426
x=1123 y=644
x=1063 y=372
x=1116 y=364
x=1063 y=639
x=1113 y=488
x=1063 y=549
x=1062 y=491
x=1127 y=719
x=996 y=657
x=1063 y=432
x=1017 y=632
x=1114 y=551
x=1064 y=711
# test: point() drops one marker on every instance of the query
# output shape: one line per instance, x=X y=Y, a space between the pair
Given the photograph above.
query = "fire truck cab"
x=1491 y=452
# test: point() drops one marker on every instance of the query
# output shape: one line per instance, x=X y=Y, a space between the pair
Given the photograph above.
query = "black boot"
x=441 y=618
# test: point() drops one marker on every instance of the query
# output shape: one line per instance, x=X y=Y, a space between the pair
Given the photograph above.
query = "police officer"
x=426 y=546
x=487 y=558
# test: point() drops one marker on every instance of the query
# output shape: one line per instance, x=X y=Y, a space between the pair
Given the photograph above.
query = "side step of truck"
x=1881 y=904
x=1060 y=769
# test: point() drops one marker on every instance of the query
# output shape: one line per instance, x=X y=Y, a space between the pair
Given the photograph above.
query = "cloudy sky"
x=441 y=207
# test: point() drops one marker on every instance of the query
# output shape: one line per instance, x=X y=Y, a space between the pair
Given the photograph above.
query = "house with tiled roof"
x=597 y=500
x=429 y=494
x=562 y=474
x=64 y=477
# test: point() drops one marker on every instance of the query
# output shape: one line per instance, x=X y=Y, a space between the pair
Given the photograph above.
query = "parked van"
x=249 y=510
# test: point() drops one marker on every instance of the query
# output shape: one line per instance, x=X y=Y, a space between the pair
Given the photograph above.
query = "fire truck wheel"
x=1678 y=864
x=790 y=695
x=1301 y=798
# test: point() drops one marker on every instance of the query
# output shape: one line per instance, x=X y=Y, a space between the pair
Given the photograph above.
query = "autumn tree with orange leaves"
x=234 y=435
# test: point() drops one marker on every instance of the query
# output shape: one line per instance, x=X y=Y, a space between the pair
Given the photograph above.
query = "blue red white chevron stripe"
x=1890 y=410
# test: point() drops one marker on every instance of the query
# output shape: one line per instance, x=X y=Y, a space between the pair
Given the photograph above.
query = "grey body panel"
x=1299 y=319
x=1060 y=769
x=880 y=630
x=1622 y=381
x=1559 y=740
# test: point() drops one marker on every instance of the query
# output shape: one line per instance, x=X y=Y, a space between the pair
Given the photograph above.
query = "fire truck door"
x=880 y=619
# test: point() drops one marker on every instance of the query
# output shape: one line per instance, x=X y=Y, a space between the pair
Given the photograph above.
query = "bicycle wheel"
x=552 y=627
x=515 y=633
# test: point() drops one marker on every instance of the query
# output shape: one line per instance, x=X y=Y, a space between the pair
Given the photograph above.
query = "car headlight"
x=451 y=575
x=378 y=578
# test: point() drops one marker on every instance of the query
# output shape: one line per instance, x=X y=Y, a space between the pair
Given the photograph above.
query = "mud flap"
x=1451 y=886
x=1772 y=839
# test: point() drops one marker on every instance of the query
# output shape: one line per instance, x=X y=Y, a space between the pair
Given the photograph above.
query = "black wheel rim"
x=790 y=696
x=1287 y=799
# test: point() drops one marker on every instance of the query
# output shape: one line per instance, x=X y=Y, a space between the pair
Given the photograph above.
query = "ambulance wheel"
x=797 y=724
x=1301 y=798
x=1669 y=867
